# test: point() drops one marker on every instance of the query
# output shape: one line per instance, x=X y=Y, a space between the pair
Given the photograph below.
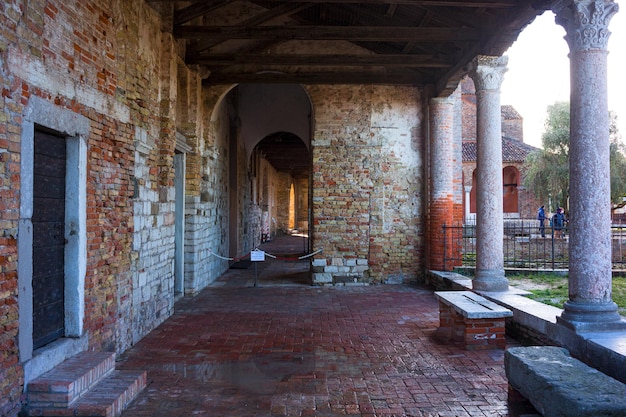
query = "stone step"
x=71 y=379
x=108 y=398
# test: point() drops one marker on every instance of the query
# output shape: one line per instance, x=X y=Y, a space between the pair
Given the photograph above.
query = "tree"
x=618 y=163
x=547 y=169
x=547 y=174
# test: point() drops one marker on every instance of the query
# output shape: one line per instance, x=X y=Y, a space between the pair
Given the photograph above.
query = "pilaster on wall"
x=206 y=208
x=191 y=123
x=169 y=93
x=444 y=190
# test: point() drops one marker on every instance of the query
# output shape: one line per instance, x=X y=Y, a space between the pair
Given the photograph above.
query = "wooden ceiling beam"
x=352 y=34
x=422 y=61
x=285 y=9
x=275 y=77
x=196 y=10
x=422 y=3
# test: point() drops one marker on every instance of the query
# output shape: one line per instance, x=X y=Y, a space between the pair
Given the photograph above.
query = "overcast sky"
x=538 y=72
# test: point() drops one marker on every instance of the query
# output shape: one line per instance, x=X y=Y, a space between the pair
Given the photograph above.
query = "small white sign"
x=257 y=256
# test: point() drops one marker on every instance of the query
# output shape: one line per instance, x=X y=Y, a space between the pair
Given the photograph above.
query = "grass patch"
x=551 y=289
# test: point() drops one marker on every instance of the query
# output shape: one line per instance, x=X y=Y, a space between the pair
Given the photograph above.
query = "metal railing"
x=523 y=246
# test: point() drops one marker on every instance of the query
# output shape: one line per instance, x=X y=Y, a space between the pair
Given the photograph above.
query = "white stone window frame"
x=41 y=114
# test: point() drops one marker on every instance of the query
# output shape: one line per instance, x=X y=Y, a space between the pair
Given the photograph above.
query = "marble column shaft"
x=487 y=73
x=590 y=275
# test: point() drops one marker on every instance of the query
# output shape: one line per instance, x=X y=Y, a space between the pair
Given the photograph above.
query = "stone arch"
x=266 y=109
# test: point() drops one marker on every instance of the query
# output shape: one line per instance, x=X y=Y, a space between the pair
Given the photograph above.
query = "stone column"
x=590 y=305
x=467 y=200
x=441 y=115
x=487 y=73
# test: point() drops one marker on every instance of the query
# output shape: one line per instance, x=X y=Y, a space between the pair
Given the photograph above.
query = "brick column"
x=487 y=73
x=441 y=203
x=590 y=306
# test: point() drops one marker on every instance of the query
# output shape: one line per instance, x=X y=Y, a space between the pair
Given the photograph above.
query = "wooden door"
x=48 y=239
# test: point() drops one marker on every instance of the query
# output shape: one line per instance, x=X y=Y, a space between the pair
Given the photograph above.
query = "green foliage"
x=547 y=169
x=618 y=163
x=547 y=174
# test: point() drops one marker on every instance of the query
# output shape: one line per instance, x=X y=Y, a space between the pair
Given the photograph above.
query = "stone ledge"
x=558 y=385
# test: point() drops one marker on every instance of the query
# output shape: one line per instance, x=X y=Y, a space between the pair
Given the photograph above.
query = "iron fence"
x=524 y=247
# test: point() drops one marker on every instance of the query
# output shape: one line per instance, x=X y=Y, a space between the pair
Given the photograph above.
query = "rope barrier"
x=311 y=254
x=279 y=258
x=238 y=258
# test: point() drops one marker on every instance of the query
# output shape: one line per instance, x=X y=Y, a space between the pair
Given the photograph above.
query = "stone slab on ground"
x=559 y=385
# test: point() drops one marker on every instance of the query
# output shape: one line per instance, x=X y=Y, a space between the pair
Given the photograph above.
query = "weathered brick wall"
x=302 y=204
x=11 y=373
x=103 y=60
x=283 y=186
x=367 y=183
x=206 y=212
x=468 y=98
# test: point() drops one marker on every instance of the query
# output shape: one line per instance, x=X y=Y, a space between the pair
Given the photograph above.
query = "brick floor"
x=285 y=348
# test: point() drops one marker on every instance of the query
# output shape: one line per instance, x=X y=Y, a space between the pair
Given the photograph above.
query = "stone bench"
x=558 y=385
x=467 y=318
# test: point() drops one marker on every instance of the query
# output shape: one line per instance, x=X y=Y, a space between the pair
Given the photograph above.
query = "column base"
x=591 y=317
x=490 y=280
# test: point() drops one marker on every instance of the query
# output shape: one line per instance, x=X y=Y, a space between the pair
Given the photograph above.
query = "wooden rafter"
x=422 y=61
x=353 y=33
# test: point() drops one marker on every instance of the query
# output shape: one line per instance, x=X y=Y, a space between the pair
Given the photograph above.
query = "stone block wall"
x=367 y=183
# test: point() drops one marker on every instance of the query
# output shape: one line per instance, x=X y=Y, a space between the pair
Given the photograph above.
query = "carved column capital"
x=586 y=22
x=488 y=72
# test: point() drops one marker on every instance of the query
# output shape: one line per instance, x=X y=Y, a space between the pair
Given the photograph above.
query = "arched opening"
x=263 y=135
x=280 y=166
x=472 y=201
x=292 y=207
x=510 y=177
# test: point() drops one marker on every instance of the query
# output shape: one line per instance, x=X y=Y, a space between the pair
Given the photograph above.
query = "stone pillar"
x=468 y=191
x=487 y=73
x=590 y=305
x=441 y=203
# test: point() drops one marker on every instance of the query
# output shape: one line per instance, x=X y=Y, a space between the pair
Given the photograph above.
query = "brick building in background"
x=518 y=202
x=144 y=141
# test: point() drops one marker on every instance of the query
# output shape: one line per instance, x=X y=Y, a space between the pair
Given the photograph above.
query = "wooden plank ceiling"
x=417 y=42
x=421 y=42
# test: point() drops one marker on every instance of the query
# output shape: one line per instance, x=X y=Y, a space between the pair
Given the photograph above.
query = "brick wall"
x=10 y=105
x=367 y=183
x=206 y=213
x=10 y=370
x=283 y=188
x=468 y=98
x=98 y=59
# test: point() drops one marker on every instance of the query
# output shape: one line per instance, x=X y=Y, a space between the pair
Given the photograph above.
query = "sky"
x=538 y=72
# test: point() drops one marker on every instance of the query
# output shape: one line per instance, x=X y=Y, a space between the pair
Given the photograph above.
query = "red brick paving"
x=298 y=350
